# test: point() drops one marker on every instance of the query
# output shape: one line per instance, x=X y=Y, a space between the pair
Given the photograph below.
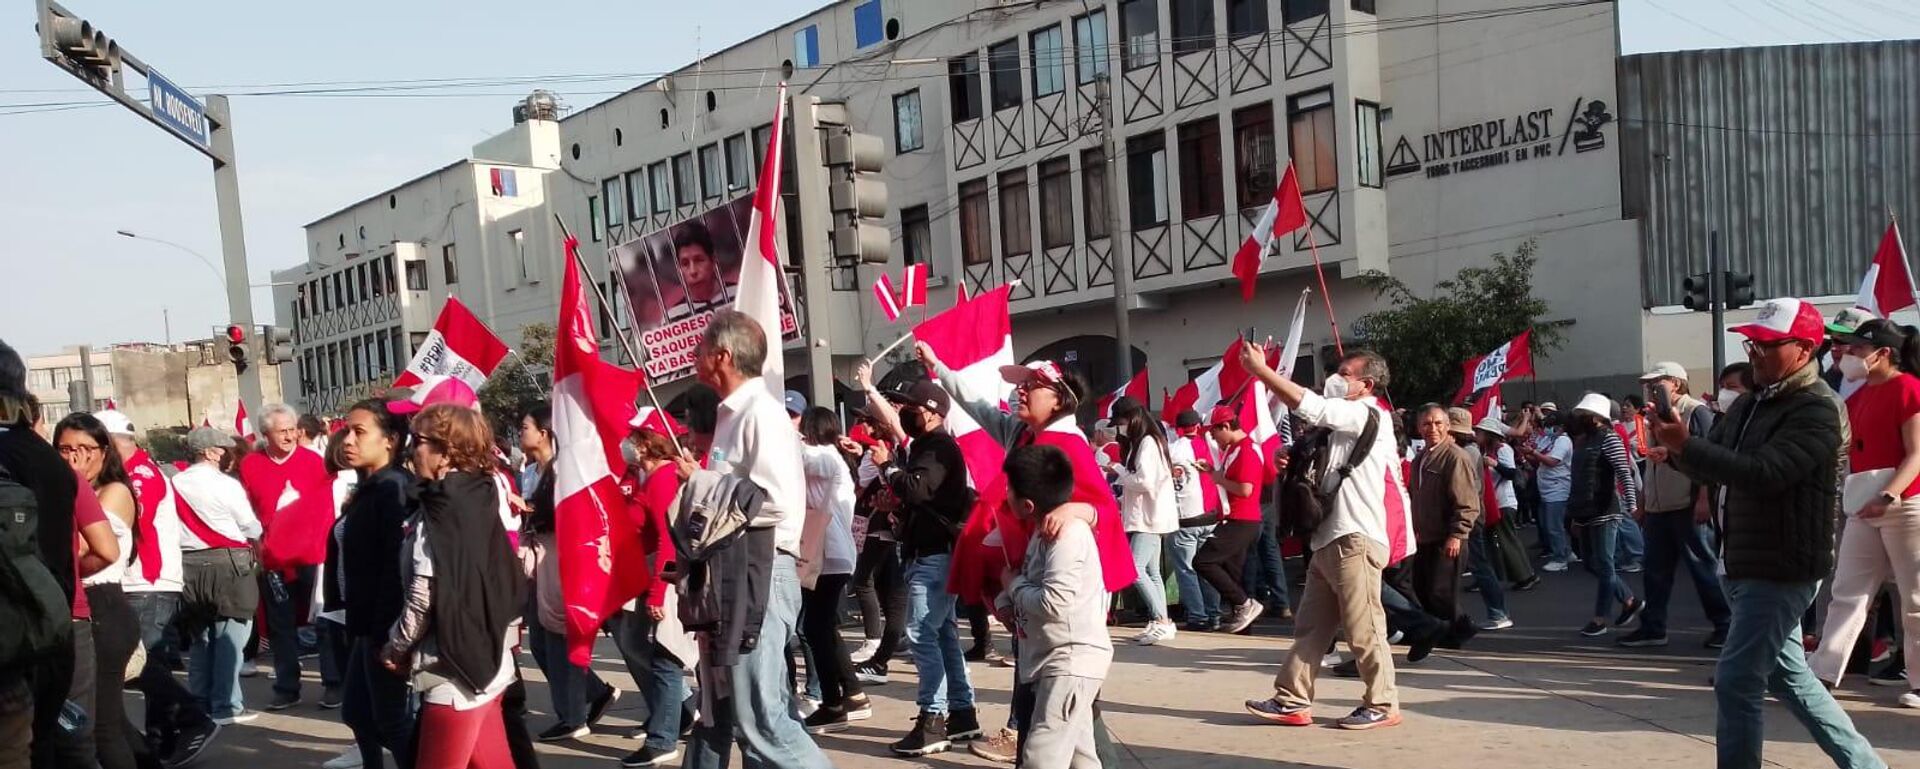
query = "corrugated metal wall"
x=1794 y=154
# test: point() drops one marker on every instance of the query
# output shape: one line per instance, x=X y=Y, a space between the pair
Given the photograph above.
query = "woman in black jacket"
x=363 y=570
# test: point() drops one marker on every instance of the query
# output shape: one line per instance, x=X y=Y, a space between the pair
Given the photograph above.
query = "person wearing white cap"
x=1603 y=494
x=1675 y=518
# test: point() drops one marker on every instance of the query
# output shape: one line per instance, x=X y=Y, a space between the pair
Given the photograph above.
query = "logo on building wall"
x=1526 y=137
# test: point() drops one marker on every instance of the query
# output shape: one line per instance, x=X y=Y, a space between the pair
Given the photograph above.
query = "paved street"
x=1538 y=692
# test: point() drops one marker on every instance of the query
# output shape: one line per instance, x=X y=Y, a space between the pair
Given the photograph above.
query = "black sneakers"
x=600 y=705
x=827 y=720
x=1642 y=639
x=1594 y=629
x=282 y=701
x=963 y=725
x=1629 y=612
x=190 y=743
x=871 y=672
x=563 y=732
x=648 y=756
x=929 y=736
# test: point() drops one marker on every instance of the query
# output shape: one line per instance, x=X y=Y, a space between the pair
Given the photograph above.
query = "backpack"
x=35 y=616
x=1306 y=491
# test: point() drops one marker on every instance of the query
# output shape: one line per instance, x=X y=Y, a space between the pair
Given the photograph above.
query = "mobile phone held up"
x=1663 y=402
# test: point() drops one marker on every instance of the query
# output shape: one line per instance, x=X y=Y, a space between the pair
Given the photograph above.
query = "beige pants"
x=1872 y=552
x=1061 y=734
x=1342 y=592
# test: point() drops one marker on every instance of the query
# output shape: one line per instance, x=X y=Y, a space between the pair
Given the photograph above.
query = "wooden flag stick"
x=1326 y=298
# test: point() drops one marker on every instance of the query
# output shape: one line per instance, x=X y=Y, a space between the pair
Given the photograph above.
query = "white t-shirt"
x=1556 y=483
x=114 y=572
x=1502 y=488
x=1188 y=497
x=1361 y=505
x=830 y=492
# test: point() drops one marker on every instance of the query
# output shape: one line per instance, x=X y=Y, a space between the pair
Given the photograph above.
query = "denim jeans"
x=574 y=688
x=760 y=711
x=1265 y=572
x=1201 y=601
x=1601 y=541
x=1146 y=566
x=170 y=707
x=213 y=671
x=934 y=638
x=662 y=680
x=1480 y=560
x=281 y=598
x=1632 y=547
x=1553 y=529
x=1673 y=537
x=1764 y=654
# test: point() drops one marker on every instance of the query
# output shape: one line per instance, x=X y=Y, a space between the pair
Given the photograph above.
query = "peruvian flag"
x=1221 y=382
x=1515 y=358
x=913 y=292
x=1135 y=388
x=760 y=277
x=975 y=339
x=1888 y=285
x=240 y=425
x=459 y=346
x=1263 y=411
x=1284 y=214
x=602 y=565
x=657 y=420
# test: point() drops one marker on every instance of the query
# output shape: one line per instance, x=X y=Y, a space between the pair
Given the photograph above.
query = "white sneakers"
x=348 y=759
x=1242 y=616
x=1555 y=566
x=1155 y=633
x=866 y=650
x=1910 y=699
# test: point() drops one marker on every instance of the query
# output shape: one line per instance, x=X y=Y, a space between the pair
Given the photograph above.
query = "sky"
x=79 y=175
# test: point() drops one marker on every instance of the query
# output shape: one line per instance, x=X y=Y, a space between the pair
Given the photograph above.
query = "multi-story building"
x=158 y=386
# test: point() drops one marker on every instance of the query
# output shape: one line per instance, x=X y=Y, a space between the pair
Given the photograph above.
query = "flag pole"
x=626 y=343
x=1326 y=297
x=890 y=348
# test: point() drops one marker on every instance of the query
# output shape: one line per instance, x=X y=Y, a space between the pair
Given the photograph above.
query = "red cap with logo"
x=1782 y=319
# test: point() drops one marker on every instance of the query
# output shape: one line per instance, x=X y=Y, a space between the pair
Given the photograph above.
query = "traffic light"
x=237 y=347
x=1739 y=289
x=276 y=345
x=1699 y=293
x=83 y=49
x=858 y=197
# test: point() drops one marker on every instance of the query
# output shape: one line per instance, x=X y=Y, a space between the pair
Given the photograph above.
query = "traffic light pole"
x=233 y=244
x=816 y=230
x=1717 y=299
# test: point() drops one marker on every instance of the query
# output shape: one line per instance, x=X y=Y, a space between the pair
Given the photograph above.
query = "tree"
x=521 y=382
x=1426 y=339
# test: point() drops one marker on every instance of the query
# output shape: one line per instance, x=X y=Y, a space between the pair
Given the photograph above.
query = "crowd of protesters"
x=410 y=552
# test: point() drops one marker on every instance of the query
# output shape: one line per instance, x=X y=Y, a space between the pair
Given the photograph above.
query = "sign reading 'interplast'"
x=176 y=109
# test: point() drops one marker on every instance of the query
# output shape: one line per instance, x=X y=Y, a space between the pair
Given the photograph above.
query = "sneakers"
x=242 y=716
x=1203 y=626
x=1717 y=639
x=1364 y=718
x=563 y=732
x=1642 y=639
x=1348 y=669
x=963 y=725
x=248 y=669
x=1530 y=583
x=190 y=743
x=1502 y=623
x=282 y=701
x=1002 y=748
x=1242 y=616
x=348 y=759
x=1885 y=677
x=1155 y=633
x=827 y=720
x=331 y=698
x=1911 y=699
x=1882 y=650
x=1594 y=629
x=928 y=736
x=1630 y=612
x=866 y=650
x=650 y=756
x=858 y=707
x=1274 y=711
x=1632 y=568
x=1555 y=566
x=1419 y=649
x=871 y=672
x=978 y=653
x=805 y=706
x=600 y=705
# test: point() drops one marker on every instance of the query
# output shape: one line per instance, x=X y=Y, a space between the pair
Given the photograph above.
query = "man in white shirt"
x=1550 y=453
x=1366 y=527
x=754 y=439
x=220 y=593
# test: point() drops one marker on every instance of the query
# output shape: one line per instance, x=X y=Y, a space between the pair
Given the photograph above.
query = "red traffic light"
x=236 y=334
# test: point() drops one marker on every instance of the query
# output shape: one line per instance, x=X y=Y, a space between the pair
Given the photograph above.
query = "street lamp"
x=197 y=255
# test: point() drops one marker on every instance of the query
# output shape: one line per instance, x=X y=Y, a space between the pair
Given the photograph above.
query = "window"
x=593 y=217
x=613 y=206
x=384 y=357
x=1016 y=214
x=683 y=190
x=517 y=246
x=1003 y=70
x=976 y=229
x=359 y=364
x=448 y=268
x=1056 y=202
x=339 y=290
x=806 y=46
x=662 y=194
x=1292 y=11
x=391 y=274
x=103 y=375
x=1090 y=46
x=868 y=26
x=761 y=136
x=636 y=196
x=963 y=85
x=1310 y=140
x=1093 y=192
x=710 y=183
x=379 y=283
x=1254 y=161
x=1200 y=193
x=916 y=237
x=353 y=298
x=1363 y=6
x=906 y=121
x=1140 y=28
x=1246 y=18
x=739 y=162
x=1192 y=25
x=416 y=275
x=1049 y=62
x=1146 y=180
x=1367 y=127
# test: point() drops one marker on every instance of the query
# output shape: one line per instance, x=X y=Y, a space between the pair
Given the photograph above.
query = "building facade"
x=158 y=386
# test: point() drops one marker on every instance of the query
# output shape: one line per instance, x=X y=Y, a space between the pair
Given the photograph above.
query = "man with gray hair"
x=291 y=493
x=219 y=593
x=754 y=439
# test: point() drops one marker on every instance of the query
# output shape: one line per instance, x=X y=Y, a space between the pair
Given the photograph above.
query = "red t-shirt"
x=1244 y=465
x=1877 y=411
x=86 y=512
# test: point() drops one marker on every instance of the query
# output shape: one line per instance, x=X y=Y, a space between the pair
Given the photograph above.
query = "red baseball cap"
x=1782 y=319
x=1222 y=415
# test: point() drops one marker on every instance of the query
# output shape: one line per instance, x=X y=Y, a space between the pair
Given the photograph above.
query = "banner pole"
x=646 y=382
x=1326 y=297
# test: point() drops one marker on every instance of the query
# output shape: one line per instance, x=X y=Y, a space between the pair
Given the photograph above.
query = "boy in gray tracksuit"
x=1059 y=603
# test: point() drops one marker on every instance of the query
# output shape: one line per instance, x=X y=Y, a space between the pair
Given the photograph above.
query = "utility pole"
x=1717 y=295
x=86 y=377
x=233 y=243
x=1116 y=255
x=816 y=236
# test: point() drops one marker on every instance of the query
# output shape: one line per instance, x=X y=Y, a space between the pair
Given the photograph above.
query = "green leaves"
x=521 y=381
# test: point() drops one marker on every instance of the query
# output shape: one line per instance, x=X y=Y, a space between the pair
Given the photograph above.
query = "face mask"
x=1725 y=398
x=1853 y=367
x=1336 y=387
x=914 y=422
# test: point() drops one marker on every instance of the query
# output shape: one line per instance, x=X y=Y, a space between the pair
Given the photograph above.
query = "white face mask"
x=1725 y=398
x=1853 y=367
x=1336 y=387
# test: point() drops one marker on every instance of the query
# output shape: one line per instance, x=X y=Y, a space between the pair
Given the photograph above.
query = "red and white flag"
x=459 y=346
x=1135 y=388
x=111 y=406
x=657 y=420
x=241 y=426
x=1284 y=214
x=975 y=339
x=895 y=301
x=1263 y=410
x=761 y=281
x=602 y=559
x=1888 y=285
x=1515 y=358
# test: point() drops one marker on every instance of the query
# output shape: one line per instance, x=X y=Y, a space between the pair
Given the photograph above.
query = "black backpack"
x=35 y=617
x=1306 y=492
